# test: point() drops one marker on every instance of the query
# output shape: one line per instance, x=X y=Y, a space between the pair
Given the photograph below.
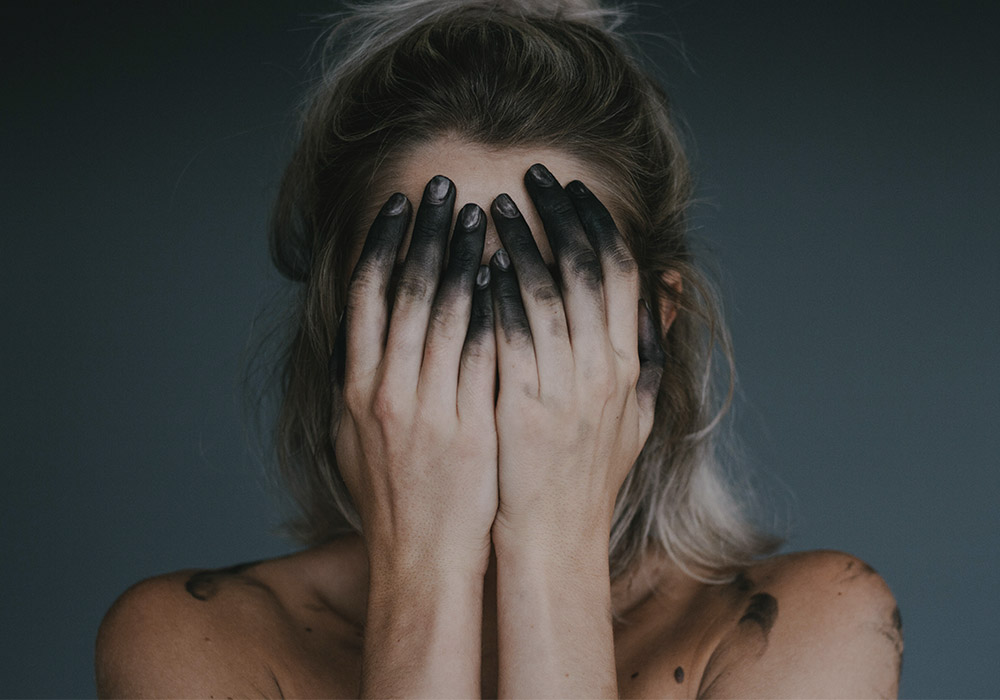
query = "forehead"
x=480 y=173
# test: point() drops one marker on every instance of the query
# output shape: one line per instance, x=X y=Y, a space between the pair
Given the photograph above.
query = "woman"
x=497 y=415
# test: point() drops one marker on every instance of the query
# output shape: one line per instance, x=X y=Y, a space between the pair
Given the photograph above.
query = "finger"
x=539 y=295
x=620 y=269
x=418 y=282
x=579 y=266
x=652 y=361
x=449 y=320
x=366 y=316
x=478 y=365
x=515 y=350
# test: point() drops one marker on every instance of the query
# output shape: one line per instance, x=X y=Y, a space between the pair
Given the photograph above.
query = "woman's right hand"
x=415 y=440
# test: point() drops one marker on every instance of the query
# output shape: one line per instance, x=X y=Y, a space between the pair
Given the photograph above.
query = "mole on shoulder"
x=634 y=675
x=203 y=584
x=679 y=674
x=762 y=610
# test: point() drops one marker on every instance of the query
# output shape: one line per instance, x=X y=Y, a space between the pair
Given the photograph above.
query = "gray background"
x=848 y=161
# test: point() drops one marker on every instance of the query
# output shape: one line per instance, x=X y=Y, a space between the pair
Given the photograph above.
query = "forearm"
x=422 y=633
x=555 y=631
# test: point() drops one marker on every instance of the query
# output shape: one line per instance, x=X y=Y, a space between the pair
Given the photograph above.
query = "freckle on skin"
x=635 y=674
x=679 y=674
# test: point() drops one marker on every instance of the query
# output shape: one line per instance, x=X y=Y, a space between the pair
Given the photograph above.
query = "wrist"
x=426 y=558
x=536 y=539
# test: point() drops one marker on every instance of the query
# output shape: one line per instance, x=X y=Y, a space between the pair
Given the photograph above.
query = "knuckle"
x=444 y=322
x=547 y=295
x=353 y=398
x=385 y=406
x=475 y=354
x=622 y=261
x=585 y=265
x=413 y=287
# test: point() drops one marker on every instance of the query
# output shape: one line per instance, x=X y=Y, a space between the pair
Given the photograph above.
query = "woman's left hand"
x=579 y=363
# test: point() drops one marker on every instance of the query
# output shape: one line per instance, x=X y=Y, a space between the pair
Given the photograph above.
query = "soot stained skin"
x=742 y=583
x=679 y=674
x=519 y=244
x=894 y=633
x=374 y=273
x=762 y=610
x=481 y=320
x=203 y=585
x=508 y=306
x=463 y=272
x=571 y=244
x=425 y=256
x=855 y=569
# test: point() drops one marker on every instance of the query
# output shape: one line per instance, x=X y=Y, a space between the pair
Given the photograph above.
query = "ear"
x=668 y=310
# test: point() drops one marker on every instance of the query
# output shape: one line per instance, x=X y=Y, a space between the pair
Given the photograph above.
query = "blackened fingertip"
x=541 y=175
x=505 y=205
x=437 y=189
x=501 y=259
x=470 y=216
x=577 y=188
x=395 y=205
x=483 y=277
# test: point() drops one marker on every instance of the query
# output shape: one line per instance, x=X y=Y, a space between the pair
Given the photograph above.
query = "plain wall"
x=847 y=159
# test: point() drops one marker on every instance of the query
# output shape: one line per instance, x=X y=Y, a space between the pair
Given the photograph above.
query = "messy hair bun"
x=508 y=74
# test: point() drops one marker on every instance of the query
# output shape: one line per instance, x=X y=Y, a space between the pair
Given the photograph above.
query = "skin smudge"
x=762 y=611
x=855 y=569
x=893 y=631
x=203 y=585
x=742 y=583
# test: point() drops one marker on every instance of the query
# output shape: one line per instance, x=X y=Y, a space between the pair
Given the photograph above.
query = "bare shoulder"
x=176 y=635
x=250 y=629
x=808 y=624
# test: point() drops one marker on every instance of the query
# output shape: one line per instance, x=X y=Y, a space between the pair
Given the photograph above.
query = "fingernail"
x=505 y=205
x=469 y=216
x=576 y=188
x=483 y=276
x=395 y=205
x=501 y=259
x=437 y=189
x=542 y=175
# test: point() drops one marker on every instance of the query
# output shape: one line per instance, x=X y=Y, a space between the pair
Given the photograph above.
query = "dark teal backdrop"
x=847 y=156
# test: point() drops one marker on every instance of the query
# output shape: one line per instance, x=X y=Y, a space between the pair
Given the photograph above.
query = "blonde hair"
x=511 y=73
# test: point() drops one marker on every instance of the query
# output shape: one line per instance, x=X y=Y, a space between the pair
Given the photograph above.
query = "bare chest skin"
x=662 y=643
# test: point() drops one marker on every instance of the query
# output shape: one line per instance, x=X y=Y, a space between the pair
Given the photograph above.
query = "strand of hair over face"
x=374 y=24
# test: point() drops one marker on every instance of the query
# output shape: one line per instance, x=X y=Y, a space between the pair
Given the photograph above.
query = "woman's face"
x=479 y=175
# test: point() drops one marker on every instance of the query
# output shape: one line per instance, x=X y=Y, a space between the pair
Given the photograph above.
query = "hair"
x=517 y=73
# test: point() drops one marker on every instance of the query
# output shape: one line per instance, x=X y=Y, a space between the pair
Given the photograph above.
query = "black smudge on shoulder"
x=742 y=583
x=762 y=610
x=854 y=569
x=203 y=585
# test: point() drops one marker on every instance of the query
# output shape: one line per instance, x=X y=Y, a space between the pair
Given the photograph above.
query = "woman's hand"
x=416 y=439
x=579 y=370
